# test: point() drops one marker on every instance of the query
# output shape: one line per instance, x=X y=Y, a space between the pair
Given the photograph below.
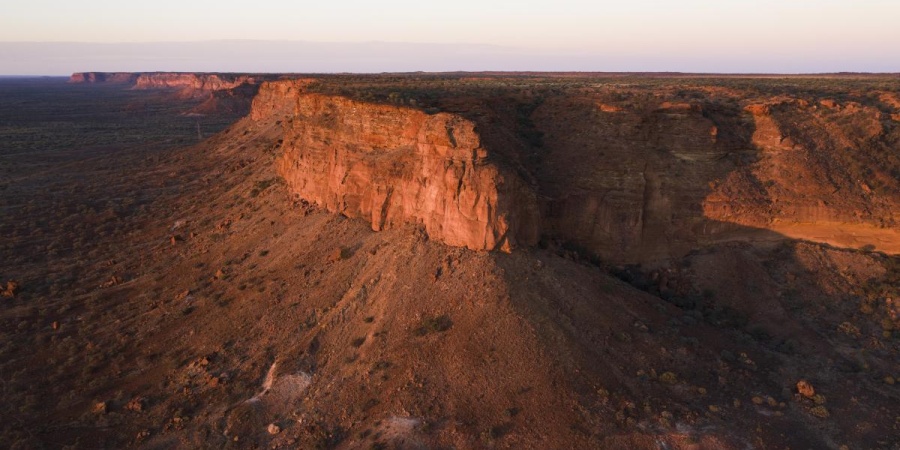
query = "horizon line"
x=480 y=72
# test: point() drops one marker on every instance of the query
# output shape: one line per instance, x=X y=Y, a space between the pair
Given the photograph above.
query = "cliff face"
x=391 y=165
x=627 y=176
x=625 y=180
x=277 y=100
x=633 y=178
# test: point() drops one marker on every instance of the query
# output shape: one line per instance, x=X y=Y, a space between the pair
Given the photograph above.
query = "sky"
x=724 y=36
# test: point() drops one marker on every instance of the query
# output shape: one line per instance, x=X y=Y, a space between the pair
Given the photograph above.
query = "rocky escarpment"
x=392 y=165
x=625 y=180
x=623 y=175
x=637 y=178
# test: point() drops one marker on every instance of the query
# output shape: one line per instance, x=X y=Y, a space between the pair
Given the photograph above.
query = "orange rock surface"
x=393 y=165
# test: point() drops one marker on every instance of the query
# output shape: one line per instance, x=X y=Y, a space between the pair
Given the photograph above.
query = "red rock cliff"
x=391 y=165
x=627 y=177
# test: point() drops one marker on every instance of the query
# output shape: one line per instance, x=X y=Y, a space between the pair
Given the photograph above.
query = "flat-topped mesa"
x=391 y=165
x=104 y=77
x=191 y=83
x=199 y=82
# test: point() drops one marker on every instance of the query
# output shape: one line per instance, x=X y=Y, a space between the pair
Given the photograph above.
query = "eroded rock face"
x=625 y=179
x=642 y=179
x=391 y=165
x=822 y=163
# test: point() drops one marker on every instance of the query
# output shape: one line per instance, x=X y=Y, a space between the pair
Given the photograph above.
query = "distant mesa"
x=221 y=92
x=104 y=77
x=197 y=82
x=188 y=83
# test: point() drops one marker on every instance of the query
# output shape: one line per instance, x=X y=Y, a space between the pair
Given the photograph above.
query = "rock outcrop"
x=627 y=177
x=392 y=165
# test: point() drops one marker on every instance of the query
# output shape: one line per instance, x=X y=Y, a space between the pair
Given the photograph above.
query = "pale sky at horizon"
x=688 y=35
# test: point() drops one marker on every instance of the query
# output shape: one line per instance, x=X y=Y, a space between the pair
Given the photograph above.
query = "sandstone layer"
x=393 y=165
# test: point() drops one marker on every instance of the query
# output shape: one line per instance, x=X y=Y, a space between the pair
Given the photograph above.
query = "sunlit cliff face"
x=391 y=165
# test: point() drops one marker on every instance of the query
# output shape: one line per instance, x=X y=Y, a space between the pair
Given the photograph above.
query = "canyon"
x=473 y=260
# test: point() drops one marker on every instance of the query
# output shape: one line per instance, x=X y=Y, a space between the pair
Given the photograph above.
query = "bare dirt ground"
x=173 y=294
